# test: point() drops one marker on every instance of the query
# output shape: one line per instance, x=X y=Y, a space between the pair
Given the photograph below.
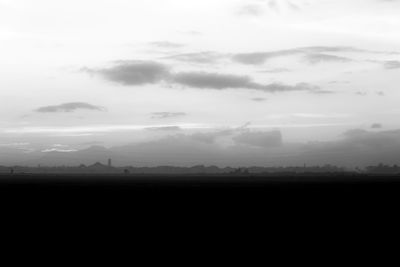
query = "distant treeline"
x=199 y=169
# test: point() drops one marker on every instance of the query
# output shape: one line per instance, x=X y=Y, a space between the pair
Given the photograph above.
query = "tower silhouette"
x=109 y=163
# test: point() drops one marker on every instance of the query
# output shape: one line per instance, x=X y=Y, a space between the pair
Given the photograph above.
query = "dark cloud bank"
x=140 y=72
x=147 y=72
x=134 y=72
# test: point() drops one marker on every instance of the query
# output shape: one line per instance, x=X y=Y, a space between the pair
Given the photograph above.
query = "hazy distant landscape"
x=199 y=170
x=232 y=90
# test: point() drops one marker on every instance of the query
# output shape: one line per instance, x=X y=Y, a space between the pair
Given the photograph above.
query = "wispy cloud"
x=276 y=70
x=250 y=10
x=321 y=115
x=15 y=144
x=164 y=128
x=392 y=64
x=360 y=93
x=69 y=107
x=321 y=58
x=166 y=44
x=166 y=115
x=59 y=150
x=314 y=54
x=89 y=130
x=205 y=57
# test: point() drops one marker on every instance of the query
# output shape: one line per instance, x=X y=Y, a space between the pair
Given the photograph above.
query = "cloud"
x=207 y=80
x=322 y=92
x=272 y=4
x=258 y=99
x=293 y=6
x=166 y=115
x=380 y=93
x=146 y=72
x=311 y=52
x=357 y=148
x=277 y=70
x=92 y=130
x=59 y=150
x=250 y=10
x=324 y=49
x=336 y=82
x=134 y=72
x=361 y=93
x=191 y=32
x=15 y=144
x=212 y=80
x=320 y=115
x=91 y=143
x=204 y=148
x=257 y=58
x=392 y=64
x=320 y=58
x=164 y=128
x=69 y=107
x=354 y=133
x=194 y=149
x=178 y=150
x=211 y=137
x=370 y=140
x=258 y=9
x=260 y=139
x=376 y=126
x=205 y=57
x=166 y=44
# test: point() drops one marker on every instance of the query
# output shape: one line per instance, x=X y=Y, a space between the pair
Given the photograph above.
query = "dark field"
x=209 y=195
x=230 y=182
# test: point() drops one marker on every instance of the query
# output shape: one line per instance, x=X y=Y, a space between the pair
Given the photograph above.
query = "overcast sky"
x=221 y=72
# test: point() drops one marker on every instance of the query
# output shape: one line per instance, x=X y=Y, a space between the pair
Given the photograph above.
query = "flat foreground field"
x=218 y=193
x=256 y=180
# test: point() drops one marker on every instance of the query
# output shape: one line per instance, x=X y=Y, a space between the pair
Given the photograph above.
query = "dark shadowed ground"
x=276 y=183
x=221 y=202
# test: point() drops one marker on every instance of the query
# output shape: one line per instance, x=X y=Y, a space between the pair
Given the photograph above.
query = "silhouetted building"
x=109 y=163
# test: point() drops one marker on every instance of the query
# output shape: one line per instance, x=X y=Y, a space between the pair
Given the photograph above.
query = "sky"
x=248 y=81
